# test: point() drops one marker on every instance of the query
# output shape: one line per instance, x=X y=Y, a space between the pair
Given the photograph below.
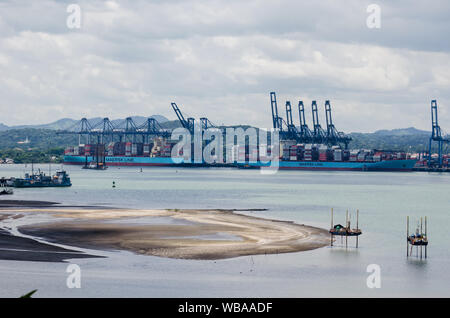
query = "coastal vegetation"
x=18 y=155
x=26 y=145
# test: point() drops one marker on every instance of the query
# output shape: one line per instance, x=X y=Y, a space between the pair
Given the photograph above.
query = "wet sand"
x=14 y=248
x=184 y=234
x=26 y=203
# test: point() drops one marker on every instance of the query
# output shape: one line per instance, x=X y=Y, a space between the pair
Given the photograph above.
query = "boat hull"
x=30 y=185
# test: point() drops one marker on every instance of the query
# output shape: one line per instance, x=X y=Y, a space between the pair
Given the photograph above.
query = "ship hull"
x=387 y=165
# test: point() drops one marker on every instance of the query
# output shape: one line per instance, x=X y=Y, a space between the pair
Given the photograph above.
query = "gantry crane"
x=333 y=135
x=188 y=124
x=275 y=118
x=436 y=135
x=105 y=130
x=278 y=121
x=319 y=136
x=292 y=131
x=305 y=133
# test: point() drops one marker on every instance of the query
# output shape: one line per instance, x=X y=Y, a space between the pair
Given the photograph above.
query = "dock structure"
x=419 y=239
x=339 y=230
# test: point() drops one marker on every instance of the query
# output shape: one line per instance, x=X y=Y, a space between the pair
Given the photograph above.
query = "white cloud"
x=221 y=59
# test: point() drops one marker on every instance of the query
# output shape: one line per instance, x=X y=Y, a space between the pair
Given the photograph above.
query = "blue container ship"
x=383 y=165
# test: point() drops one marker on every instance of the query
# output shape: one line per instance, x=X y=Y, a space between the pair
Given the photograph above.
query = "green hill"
x=43 y=144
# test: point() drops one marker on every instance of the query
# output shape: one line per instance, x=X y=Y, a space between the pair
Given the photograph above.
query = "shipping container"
x=87 y=150
x=337 y=155
x=128 y=148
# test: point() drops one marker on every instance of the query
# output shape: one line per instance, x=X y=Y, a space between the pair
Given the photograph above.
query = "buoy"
x=114 y=184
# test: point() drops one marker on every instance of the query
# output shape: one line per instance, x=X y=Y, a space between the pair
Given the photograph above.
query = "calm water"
x=384 y=201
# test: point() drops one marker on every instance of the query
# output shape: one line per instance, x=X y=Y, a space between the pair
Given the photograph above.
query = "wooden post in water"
x=346 y=226
x=357 y=228
x=421 y=232
x=407 y=235
x=331 y=228
x=426 y=237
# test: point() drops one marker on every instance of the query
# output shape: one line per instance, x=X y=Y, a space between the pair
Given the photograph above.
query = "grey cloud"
x=221 y=59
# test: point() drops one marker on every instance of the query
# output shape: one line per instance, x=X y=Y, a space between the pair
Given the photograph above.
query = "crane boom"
x=436 y=135
x=180 y=116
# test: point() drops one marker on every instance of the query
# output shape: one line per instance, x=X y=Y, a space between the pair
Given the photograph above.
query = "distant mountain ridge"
x=402 y=132
x=45 y=136
x=66 y=123
x=404 y=139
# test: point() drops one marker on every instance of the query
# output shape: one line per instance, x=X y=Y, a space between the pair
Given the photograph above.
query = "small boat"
x=40 y=180
x=98 y=164
x=95 y=166
x=338 y=229
x=418 y=238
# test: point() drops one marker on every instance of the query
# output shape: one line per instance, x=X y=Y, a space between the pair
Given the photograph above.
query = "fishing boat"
x=40 y=180
x=418 y=238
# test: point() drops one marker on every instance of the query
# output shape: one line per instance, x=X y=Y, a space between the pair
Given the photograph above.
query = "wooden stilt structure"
x=426 y=236
x=331 y=234
x=346 y=225
x=407 y=235
x=346 y=230
x=357 y=227
x=421 y=231
x=419 y=239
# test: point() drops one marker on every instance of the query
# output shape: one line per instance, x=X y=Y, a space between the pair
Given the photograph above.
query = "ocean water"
x=384 y=200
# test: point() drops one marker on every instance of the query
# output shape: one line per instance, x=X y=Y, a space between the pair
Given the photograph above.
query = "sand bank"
x=186 y=234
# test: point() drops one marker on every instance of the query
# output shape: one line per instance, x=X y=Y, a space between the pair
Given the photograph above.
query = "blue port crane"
x=279 y=122
x=206 y=123
x=85 y=126
x=436 y=136
x=106 y=129
x=276 y=119
x=319 y=136
x=292 y=131
x=130 y=129
x=99 y=129
x=188 y=124
x=303 y=133
x=152 y=127
x=333 y=135
x=84 y=129
x=273 y=104
x=306 y=134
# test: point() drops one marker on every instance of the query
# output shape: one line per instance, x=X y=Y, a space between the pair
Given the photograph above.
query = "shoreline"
x=177 y=233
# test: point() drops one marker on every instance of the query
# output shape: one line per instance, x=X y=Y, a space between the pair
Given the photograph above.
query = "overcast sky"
x=221 y=59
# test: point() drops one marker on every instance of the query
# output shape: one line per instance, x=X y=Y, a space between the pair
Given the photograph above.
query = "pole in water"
x=346 y=230
x=426 y=236
x=407 y=235
x=357 y=228
x=421 y=233
x=331 y=233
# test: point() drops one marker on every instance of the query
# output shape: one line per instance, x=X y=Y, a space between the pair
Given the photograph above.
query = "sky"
x=221 y=59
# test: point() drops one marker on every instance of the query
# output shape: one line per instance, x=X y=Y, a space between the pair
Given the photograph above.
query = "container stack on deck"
x=289 y=151
x=320 y=152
